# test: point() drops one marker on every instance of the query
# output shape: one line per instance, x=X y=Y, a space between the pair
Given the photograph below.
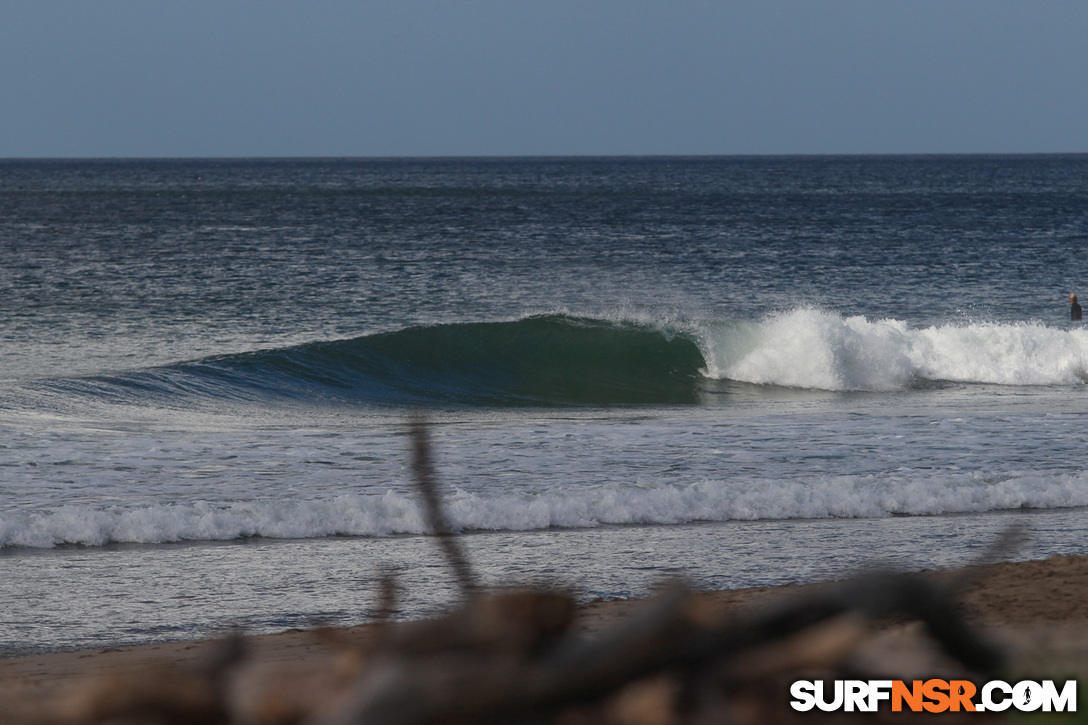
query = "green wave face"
x=545 y=360
x=553 y=360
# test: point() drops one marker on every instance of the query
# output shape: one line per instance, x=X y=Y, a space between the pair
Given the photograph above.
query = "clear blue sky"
x=516 y=77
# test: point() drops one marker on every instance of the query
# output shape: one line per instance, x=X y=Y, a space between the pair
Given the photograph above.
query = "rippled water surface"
x=750 y=370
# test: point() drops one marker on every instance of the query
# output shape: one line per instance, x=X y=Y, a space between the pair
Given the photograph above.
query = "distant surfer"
x=1074 y=307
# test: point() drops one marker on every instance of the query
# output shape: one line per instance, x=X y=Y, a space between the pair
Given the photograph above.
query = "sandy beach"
x=1036 y=610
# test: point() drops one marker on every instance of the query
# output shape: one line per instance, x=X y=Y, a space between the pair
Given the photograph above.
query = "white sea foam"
x=396 y=513
x=809 y=348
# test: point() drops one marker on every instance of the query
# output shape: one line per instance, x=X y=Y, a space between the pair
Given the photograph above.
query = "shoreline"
x=1041 y=604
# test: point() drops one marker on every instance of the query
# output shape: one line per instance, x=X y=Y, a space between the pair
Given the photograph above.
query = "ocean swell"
x=551 y=360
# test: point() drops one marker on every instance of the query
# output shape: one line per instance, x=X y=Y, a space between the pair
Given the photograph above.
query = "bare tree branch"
x=427 y=480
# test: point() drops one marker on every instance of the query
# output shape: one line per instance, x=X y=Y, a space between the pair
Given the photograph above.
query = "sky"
x=233 y=78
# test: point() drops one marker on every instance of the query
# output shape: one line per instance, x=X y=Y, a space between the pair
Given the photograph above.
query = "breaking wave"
x=562 y=360
x=809 y=348
x=394 y=512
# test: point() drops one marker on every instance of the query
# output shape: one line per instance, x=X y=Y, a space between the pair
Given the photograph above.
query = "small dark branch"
x=423 y=467
x=1007 y=542
x=387 y=596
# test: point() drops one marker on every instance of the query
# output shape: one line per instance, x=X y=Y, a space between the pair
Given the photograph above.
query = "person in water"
x=1074 y=308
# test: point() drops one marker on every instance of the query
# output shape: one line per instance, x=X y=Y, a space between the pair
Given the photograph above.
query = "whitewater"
x=392 y=513
x=822 y=350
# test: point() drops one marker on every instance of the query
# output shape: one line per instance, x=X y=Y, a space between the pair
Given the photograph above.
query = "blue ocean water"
x=741 y=370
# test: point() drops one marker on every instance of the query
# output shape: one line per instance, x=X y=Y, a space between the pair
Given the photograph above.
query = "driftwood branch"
x=669 y=635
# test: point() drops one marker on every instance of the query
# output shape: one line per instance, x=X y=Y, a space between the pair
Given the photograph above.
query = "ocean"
x=738 y=370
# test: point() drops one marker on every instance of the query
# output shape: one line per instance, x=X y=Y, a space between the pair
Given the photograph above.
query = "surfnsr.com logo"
x=934 y=696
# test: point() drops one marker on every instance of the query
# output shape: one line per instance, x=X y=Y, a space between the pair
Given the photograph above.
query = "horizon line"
x=483 y=157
